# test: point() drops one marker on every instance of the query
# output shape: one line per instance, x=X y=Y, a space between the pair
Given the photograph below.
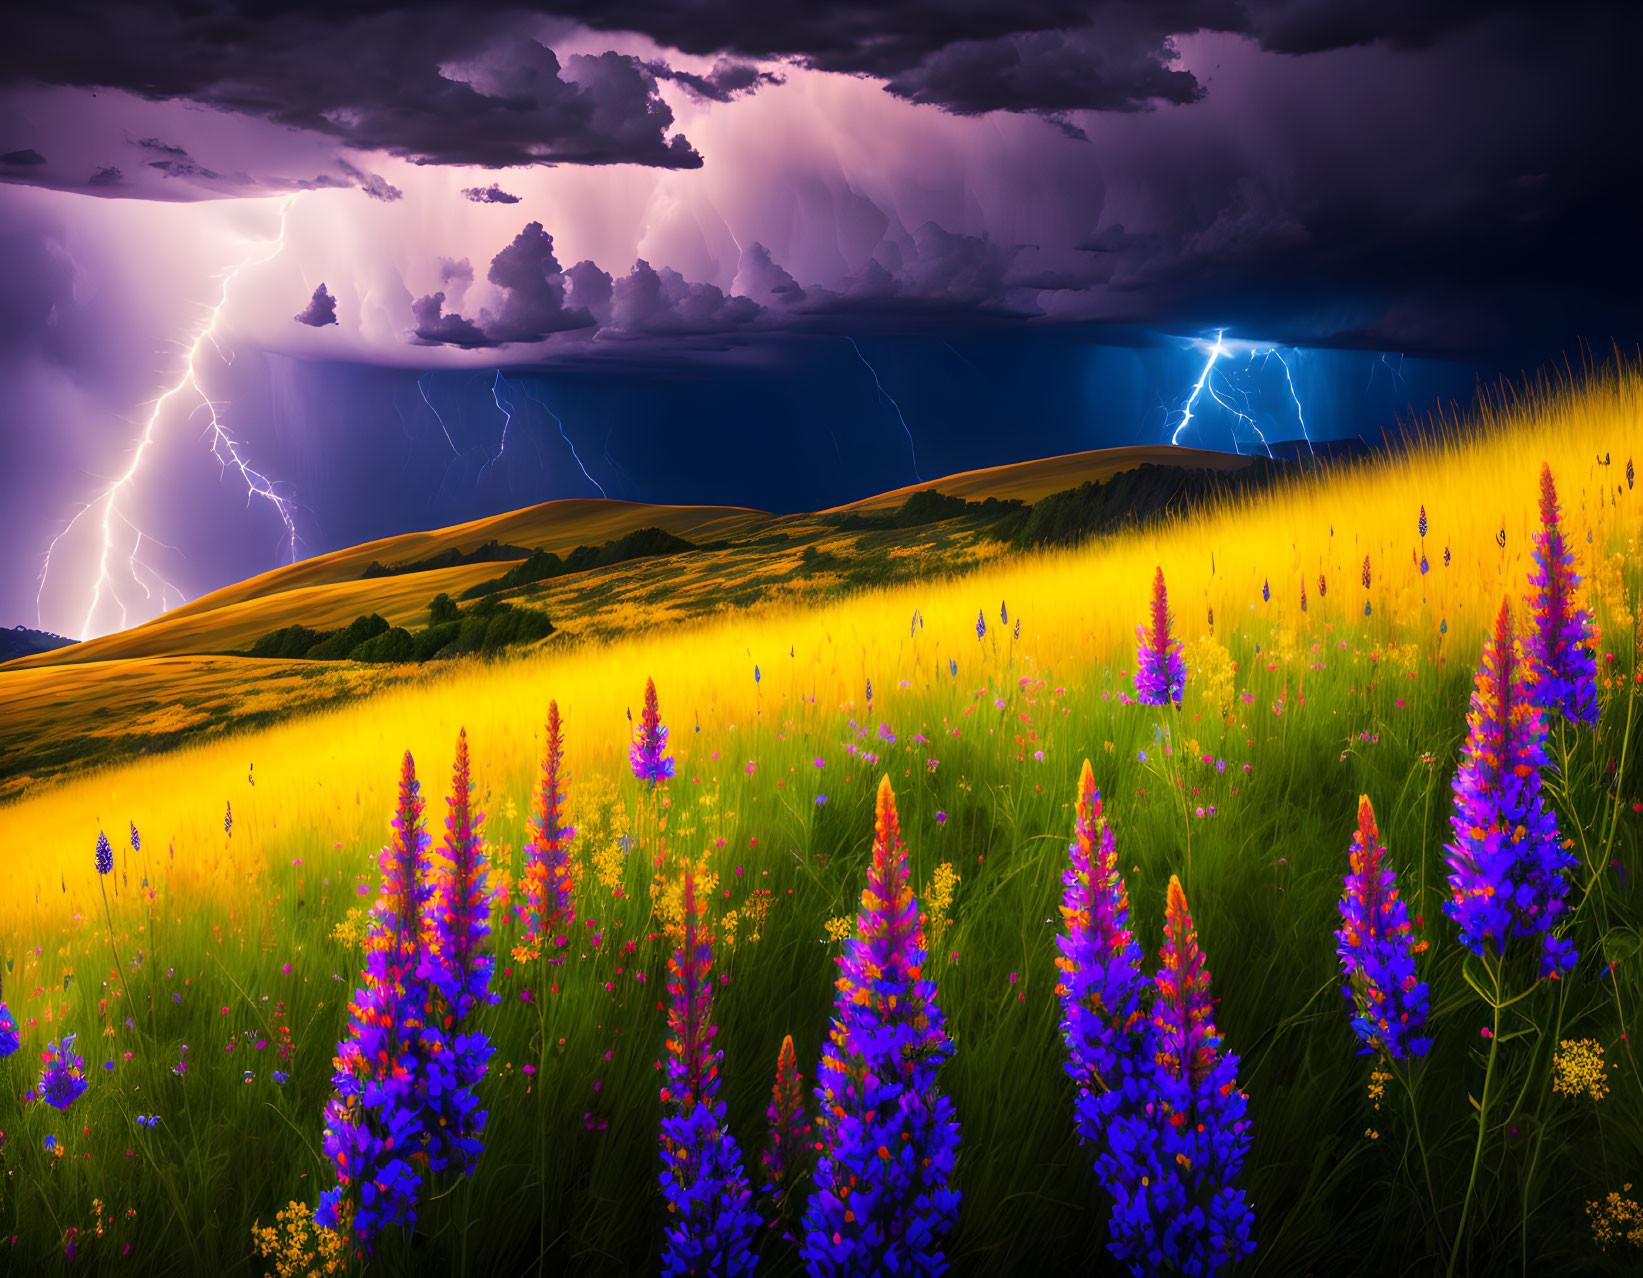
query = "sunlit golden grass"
x=331 y=776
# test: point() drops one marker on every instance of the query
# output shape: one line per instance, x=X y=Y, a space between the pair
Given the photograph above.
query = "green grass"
x=1263 y=877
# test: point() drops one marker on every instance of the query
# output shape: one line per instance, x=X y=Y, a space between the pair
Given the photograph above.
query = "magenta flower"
x=1160 y=675
x=888 y=1136
x=1560 y=639
x=710 y=1228
x=549 y=885
x=376 y=1132
x=645 y=751
x=459 y=969
x=1507 y=859
x=63 y=1080
x=1377 y=948
x=1101 y=986
x=784 y=1157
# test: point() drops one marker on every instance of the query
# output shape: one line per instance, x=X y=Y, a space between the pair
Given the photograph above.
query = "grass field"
x=229 y=941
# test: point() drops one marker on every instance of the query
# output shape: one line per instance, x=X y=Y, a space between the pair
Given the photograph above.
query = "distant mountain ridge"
x=20 y=641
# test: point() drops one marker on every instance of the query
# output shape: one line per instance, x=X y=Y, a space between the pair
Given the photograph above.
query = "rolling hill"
x=189 y=671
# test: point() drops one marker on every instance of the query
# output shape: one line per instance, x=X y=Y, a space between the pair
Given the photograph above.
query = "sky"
x=282 y=278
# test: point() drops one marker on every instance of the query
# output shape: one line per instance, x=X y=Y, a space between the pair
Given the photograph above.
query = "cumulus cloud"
x=648 y=302
x=320 y=311
x=492 y=194
x=533 y=289
x=760 y=278
x=435 y=328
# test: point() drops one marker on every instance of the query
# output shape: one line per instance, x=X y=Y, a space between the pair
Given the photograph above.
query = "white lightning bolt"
x=507 y=421
x=887 y=395
x=1269 y=353
x=435 y=412
x=562 y=435
x=222 y=447
x=1215 y=353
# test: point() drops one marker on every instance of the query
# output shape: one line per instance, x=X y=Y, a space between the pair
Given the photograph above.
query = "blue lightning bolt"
x=1185 y=410
x=887 y=395
x=430 y=403
x=1269 y=353
x=507 y=421
x=223 y=447
x=562 y=435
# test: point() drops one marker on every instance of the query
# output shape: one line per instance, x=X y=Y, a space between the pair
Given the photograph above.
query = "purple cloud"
x=320 y=311
x=492 y=194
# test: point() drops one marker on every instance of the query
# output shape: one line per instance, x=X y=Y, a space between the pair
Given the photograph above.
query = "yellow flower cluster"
x=1211 y=674
x=758 y=906
x=1377 y=1086
x=353 y=928
x=841 y=927
x=670 y=905
x=727 y=929
x=1578 y=1067
x=938 y=898
x=297 y=1247
x=1609 y=582
x=602 y=823
x=1616 y=1219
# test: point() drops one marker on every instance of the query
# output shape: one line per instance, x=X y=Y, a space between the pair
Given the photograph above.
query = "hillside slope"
x=190 y=672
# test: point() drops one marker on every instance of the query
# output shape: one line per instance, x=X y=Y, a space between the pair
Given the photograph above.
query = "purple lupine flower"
x=1180 y=1136
x=1508 y=861
x=888 y=1137
x=63 y=1080
x=1560 y=639
x=1377 y=948
x=1003 y=613
x=459 y=970
x=228 y=818
x=9 y=1040
x=1266 y=590
x=549 y=885
x=981 y=624
x=783 y=1158
x=645 y=751
x=136 y=839
x=711 y=1225
x=105 y=854
x=1425 y=567
x=1017 y=631
x=1101 y=985
x=1421 y=522
x=1160 y=675
x=376 y=1130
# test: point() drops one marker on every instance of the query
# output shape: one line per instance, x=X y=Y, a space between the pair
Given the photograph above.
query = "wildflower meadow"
x=1251 y=893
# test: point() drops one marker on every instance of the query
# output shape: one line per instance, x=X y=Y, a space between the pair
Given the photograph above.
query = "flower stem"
x=1483 y=1115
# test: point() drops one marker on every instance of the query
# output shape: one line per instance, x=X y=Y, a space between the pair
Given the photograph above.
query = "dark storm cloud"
x=320 y=311
x=434 y=328
x=28 y=156
x=728 y=79
x=367 y=75
x=373 y=184
x=106 y=175
x=492 y=194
